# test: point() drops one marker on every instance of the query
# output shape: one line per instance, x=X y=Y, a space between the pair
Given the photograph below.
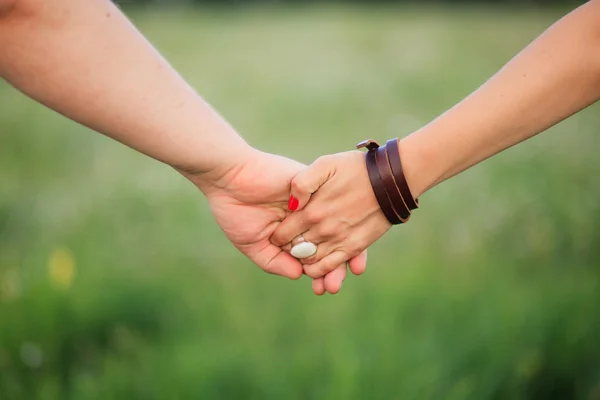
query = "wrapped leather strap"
x=393 y=153
x=379 y=189
x=389 y=185
x=387 y=180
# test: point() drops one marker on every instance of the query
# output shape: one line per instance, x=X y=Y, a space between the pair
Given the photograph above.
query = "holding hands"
x=87 y=61
x=336 y=210
x=249 y=199
x=343 y=203
x=338 y=207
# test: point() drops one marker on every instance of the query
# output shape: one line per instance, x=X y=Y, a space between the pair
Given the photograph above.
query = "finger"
x=323 y=250
x=358 y=264
x=318 y=286
x=293 y=225
x=333 y=280
x=326 y=265
x=285 y=265
x=275 y=261
x=309 y=181
x=324 y=247
x=322 y=235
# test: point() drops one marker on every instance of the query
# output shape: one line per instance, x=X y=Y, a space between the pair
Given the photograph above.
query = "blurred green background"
x=116 y=283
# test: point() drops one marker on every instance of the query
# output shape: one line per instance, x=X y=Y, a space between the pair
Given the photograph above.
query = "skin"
x=553 y=78
x=85 y=60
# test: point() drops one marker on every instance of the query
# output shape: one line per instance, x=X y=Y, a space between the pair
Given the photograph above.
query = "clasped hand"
x=336 y=210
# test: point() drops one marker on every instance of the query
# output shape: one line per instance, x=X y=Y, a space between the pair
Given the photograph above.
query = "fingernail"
x=293 y=204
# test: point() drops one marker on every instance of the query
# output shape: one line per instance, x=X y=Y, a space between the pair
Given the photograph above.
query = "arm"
x=553 y=78
x=85 y=60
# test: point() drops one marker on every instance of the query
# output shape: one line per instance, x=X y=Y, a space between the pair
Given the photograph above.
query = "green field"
x=116 y=283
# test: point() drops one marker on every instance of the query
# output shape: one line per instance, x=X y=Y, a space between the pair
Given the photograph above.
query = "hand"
x=342 y=217
x=332 y=282
x=249 y=201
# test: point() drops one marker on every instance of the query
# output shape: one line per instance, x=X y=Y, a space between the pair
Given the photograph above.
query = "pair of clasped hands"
x=85 y=60
x=265 y=202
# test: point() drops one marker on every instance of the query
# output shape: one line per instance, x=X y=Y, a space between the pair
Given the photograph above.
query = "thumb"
x=307 y=182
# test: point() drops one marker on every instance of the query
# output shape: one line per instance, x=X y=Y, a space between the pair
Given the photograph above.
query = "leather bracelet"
x=376 y=181
x=390 y=186
x=388 y=181
x=379 y=189
x=393 y=153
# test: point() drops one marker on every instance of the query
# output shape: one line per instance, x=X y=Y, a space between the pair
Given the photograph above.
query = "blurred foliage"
x=115 y=283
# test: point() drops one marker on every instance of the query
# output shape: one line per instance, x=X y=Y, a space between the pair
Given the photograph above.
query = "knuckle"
x=313 y=216
x=322 y=160
x=345 y=223
x=315 y=271
x=275 y=239
x=353 y=249
x=329 y=230
x=279 y=239
x=299 y=186
x=328 y=267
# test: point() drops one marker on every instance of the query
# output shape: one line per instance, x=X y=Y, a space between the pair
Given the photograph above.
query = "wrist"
x=217 y=176
x=421 y=168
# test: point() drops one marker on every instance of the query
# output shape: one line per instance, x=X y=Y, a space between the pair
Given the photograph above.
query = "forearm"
x=553 y=78
x=85 y=60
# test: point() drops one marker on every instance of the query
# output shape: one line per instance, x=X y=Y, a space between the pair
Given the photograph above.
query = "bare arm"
x=85 y=60
x=553 y=78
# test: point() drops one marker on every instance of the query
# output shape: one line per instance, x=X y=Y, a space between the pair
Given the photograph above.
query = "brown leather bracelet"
x=379 y=189
x=393 y=153
x=377 y=183
x=389 y=185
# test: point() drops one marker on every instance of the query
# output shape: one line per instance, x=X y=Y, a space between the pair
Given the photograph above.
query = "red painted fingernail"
x=293 y=203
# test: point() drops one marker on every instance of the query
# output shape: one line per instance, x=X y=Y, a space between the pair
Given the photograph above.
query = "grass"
x=115 y=282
